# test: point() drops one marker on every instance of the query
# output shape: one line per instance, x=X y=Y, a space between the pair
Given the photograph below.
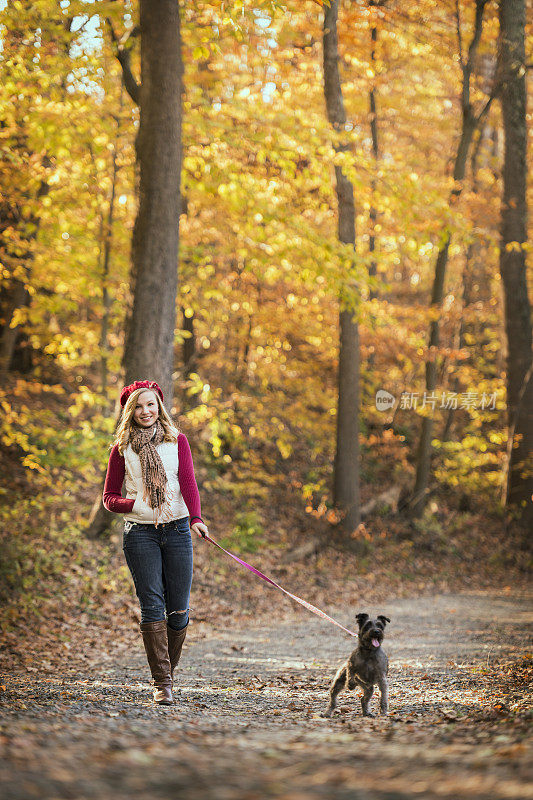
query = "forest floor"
x=246 y=723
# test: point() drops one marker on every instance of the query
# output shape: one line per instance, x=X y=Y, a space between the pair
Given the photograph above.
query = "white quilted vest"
x=174 y=506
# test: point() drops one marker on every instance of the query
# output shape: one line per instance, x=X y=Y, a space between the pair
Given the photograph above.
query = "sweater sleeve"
x=187 y=481
x=112 y=497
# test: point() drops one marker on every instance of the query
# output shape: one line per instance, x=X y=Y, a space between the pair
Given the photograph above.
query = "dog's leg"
x=351 y=677
x=384 y=689
x=337 y=685
x=365 y=701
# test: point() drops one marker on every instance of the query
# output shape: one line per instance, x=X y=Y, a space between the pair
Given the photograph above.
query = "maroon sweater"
x=116 y=470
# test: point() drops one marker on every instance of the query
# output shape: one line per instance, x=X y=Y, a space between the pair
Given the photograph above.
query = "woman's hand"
x=200 y=529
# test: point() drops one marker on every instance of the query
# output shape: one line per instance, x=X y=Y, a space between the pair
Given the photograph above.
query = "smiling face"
x=146 y=410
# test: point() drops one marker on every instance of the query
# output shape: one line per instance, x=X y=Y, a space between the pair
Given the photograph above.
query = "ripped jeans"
x=160 y=561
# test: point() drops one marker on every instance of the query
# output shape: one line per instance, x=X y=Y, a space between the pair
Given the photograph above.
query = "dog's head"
x=371 y=631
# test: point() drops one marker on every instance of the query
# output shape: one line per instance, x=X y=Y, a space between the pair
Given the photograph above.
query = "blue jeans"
x=160 y=561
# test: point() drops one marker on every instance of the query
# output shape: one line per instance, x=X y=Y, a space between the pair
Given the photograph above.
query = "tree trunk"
x=107 y=238
x=106 y=299
x=473 y=251
x=189 y=344
x=372 y=96
x=346 y=470
x=14 y=47
x=519 y=488
x=16 y=297
x=149 y=347
x=375 y=152
x=241 y=370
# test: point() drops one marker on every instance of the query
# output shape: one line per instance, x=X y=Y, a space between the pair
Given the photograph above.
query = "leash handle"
x=304 y=603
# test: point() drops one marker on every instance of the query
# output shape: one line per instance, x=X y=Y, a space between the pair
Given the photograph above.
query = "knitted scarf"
x=144 y=442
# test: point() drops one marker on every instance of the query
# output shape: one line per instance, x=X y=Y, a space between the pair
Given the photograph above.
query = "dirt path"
x=247 y=722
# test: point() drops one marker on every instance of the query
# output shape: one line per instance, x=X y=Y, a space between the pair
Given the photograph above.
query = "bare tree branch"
x=472 y=52
x=459 y=34
x=123 y=53
x=486 y=108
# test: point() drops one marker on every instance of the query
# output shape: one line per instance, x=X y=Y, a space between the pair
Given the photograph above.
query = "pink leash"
x=303 y=603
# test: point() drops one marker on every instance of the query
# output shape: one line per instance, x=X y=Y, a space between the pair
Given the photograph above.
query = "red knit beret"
x=127 y=390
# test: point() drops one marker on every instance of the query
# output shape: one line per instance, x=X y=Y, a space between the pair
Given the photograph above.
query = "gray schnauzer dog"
x=367 y=666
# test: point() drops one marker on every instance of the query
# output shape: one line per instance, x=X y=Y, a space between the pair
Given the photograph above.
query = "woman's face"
x=146 y=411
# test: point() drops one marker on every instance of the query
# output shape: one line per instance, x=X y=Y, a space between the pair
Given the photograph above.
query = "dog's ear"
x=383 y=619
x=361 y=618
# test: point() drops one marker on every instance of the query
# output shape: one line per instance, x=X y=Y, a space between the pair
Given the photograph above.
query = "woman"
x=161 y=493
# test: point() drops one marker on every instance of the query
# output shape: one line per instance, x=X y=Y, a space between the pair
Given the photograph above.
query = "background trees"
x=261 y=268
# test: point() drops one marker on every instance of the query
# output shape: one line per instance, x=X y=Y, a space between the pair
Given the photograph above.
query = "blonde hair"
x=122 y=434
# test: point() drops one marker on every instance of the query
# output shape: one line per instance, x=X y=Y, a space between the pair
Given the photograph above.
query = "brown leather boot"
x=156 y=645
x=175 y=643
